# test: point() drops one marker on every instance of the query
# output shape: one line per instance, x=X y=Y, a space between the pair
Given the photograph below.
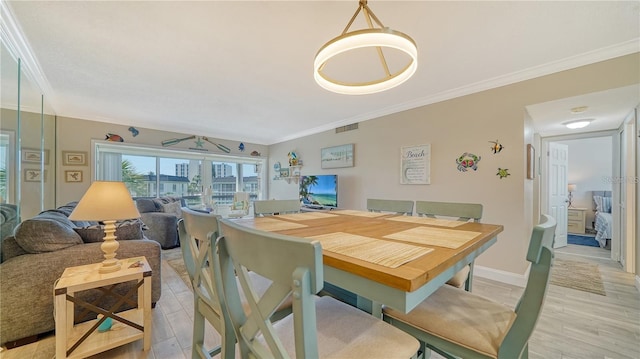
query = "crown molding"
x=587 y=58
x=13 y=38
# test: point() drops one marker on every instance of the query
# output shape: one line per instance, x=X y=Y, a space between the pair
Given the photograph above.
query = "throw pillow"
x=130 y=229
x=47 y=232
x=172 y=208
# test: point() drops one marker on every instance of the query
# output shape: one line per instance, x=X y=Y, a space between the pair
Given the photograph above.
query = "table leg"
x=376 y=309
x=146 y=307
x=469 y=282
x=61 y=325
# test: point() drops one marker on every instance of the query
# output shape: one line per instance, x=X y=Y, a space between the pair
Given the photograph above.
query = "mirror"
x=37 y=150
x=27 y=145
x=9 y=180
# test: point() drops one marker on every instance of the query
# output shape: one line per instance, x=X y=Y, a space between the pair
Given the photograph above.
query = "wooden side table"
x=576 y=220
x=82 y=340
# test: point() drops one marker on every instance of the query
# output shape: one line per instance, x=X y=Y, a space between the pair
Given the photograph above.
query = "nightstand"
x=83 y=340
x=576 y=220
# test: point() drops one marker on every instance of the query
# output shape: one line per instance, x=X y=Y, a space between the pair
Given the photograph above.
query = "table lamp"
x=107 y=202
x=571 y=188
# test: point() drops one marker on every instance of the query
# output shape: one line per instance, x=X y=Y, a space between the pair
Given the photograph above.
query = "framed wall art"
x=74 y=158
x=34 y=155
x=73 y=176
x=415 y=164
x=33 y=175
x=337 y=156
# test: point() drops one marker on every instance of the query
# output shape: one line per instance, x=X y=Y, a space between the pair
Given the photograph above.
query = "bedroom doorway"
x=589 y=173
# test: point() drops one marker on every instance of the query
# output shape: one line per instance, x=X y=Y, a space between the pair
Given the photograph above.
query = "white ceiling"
x=243 y=70
x=606 y=110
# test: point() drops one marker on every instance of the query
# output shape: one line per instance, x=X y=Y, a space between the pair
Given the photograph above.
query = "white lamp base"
x=109 y=247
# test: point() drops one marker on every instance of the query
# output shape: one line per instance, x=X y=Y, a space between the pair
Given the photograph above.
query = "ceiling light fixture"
x=371 y=37
x=579 y=109
x=577 y=124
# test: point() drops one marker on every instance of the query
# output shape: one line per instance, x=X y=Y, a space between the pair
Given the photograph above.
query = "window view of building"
x=4 y=163
x=181 y=174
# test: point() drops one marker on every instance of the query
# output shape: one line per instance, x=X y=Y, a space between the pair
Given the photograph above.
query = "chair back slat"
x=293 y=265
x=528 y=309
x=196 y=230
x=390 y=205
x=275 y=206
x=185 y=247
x=463 y=211
x=197 y=253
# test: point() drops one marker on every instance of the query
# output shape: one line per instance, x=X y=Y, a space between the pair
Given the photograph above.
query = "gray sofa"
x=36 y=255
x=161 y=216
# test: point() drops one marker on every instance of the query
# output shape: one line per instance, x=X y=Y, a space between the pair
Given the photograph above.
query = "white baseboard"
x=638 y=282
x=519 y=280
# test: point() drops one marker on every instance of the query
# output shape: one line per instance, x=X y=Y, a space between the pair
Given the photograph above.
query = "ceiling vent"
x=353 y=126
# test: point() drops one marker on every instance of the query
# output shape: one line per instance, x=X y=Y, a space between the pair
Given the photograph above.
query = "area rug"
x=582 y=240
x=175 y=261
x=577 y=275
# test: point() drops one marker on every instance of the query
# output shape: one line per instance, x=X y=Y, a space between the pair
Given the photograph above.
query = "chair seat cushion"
x=459 y=278
x=462 y=318
x=347 y=332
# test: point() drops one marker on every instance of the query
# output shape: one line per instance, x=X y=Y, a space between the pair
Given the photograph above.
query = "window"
x=7 y=170
x=181 y=173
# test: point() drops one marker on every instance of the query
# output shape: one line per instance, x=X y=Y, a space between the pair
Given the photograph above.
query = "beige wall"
x=464 y=124
x=76 y=135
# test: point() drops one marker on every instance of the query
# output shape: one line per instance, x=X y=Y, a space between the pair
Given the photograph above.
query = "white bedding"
x=603 y=226
x=603 y=217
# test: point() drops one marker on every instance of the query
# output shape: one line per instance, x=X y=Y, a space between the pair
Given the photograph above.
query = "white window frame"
x=99 y=146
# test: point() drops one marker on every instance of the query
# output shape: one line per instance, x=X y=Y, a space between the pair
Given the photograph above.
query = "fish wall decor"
x=113 y=137
x=497 y=147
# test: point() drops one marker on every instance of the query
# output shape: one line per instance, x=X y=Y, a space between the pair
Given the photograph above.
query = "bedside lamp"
x=571 y=188
x=107 y=202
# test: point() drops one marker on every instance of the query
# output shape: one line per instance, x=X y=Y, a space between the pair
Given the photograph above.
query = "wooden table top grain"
x=407 y=277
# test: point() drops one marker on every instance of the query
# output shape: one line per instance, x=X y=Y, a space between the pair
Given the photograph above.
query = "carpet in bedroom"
x=577 y=275
x=582 y=240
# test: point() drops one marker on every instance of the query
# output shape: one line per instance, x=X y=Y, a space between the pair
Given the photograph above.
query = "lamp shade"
x=105 y=201
x=571 y=187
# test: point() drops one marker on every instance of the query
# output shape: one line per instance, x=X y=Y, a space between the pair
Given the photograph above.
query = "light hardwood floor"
x=573 y=325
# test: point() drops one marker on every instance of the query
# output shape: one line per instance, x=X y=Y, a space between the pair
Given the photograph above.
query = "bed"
x=603 y=220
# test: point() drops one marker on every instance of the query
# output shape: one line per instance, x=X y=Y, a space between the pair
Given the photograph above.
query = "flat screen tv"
x=319 y=191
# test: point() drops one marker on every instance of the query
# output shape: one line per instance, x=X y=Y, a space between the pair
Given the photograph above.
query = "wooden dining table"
x=385 y=259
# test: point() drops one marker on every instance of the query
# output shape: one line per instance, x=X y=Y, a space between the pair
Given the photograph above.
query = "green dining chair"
x=275 y=206
x=457 y=323
x=319 y=327
x=390 y=205
x=240 y=206
x=194 y=229
x=462 y=212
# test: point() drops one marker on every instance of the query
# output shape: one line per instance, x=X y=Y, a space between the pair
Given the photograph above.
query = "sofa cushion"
x=129 y=229
x=172 y=208
x=68 y=208
x=145 y=205
x=47 y=232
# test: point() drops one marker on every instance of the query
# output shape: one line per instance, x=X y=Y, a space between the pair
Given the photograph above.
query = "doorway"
x=587 y=179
